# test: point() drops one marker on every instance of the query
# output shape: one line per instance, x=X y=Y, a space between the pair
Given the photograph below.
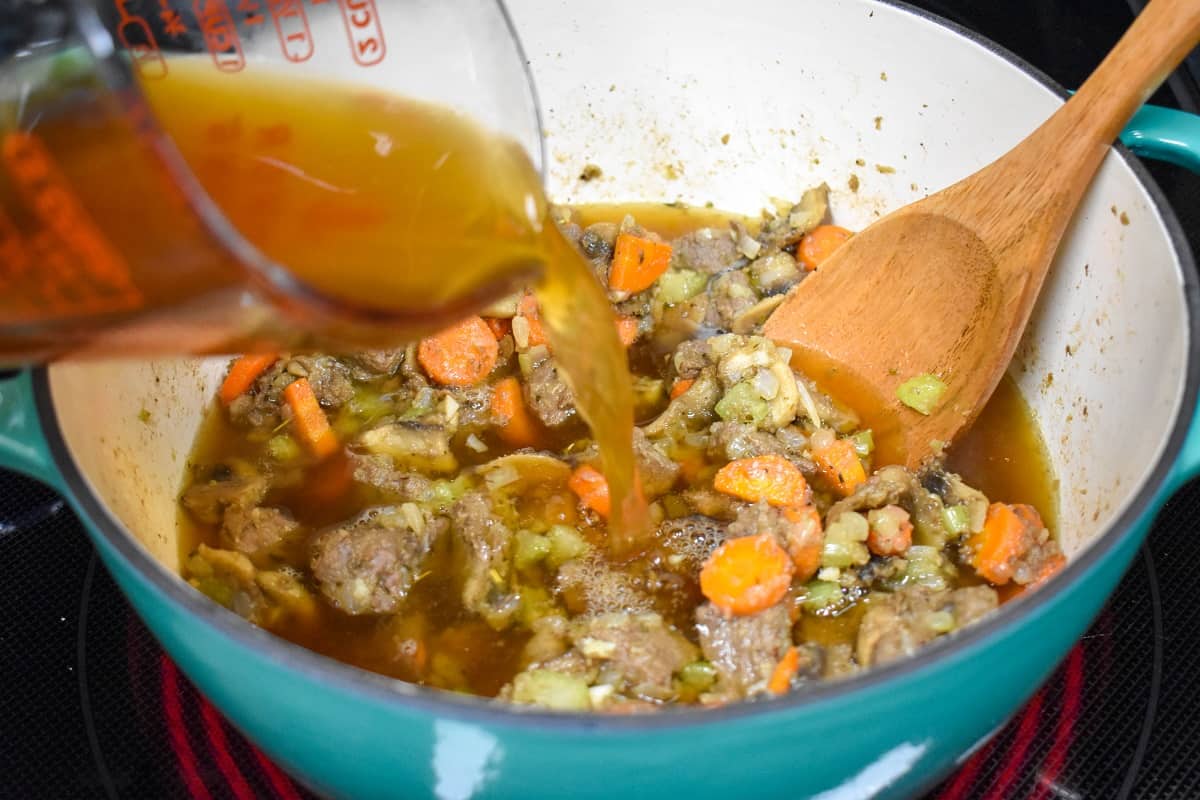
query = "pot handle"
x=23 y=447
x=1165 y=134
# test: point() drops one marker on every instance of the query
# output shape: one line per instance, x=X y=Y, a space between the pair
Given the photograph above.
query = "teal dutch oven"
x=704 y=102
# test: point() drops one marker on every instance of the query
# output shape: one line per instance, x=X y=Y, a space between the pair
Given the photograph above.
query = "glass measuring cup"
x=151 y=203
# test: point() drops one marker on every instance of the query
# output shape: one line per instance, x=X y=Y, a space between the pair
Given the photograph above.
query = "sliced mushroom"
x=756 y=315
x=519 y=472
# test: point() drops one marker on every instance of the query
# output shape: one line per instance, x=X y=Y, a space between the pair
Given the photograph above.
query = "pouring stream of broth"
x=422 y=217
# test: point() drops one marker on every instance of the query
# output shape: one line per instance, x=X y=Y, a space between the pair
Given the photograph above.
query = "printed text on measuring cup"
x=225 y=26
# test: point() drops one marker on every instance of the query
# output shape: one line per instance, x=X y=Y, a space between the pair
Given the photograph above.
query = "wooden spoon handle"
x=1161 y=36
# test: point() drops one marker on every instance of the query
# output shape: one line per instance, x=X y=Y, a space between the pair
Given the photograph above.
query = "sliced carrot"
x=680 y=386
x=840 y=465
x=590 y=486
x=499 y=327
x=311 y=426
x=243 y=373
x=515 y=425
x=637 y=262
x=887 y=542
x=804 y=540
x=771 y=478
x=785 y=670
x=747 y=574
x=461 y=355
x=627 y=330
x=819 y=244
x=528 y=309
x=1006 y=536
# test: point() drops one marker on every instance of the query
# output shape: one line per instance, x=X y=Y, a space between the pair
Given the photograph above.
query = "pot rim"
x=376 y=688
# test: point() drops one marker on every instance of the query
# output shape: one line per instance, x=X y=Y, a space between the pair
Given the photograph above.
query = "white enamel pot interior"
x=733 y=104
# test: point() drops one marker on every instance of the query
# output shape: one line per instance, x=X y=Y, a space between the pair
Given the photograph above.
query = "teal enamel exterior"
x=1165 y=134
x=347 y=733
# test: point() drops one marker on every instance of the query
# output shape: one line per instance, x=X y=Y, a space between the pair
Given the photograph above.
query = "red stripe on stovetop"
x=177 y=732
x=1064 y=731
x=1026 y=731
x=964 y=779
x=282 y=783
x=219 y=745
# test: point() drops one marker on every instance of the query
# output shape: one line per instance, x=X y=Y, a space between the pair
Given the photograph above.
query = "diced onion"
x=767 y=384
x=476 y=444
x=501 y=476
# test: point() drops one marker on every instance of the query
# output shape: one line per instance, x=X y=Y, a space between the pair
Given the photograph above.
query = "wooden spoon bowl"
x=945 y=286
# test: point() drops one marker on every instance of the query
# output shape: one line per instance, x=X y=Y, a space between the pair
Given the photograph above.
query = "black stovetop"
x=90 y=707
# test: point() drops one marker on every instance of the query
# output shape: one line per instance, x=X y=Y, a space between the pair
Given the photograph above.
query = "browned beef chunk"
x=896 y=625
x=691 y=357
x=376 y=363
x=733 y=440
x=639 y=654
x=381 y=472
x=548 y=395
x=227 y=487
x=744 y=649
x=256 y=531
x=730 y=295
x=797 y=533
x=487 y=543
x=706 y=250
x=368 y=565
x=709 y=502
x=656 y=470
x=330 y=378
x=896 y=485
x=474 y=406
x=262 y=405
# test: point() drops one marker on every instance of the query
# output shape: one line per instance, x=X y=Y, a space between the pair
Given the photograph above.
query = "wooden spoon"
x=945 y=286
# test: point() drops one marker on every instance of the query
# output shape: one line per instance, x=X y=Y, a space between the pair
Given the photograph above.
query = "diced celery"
x=845 y=541
x=742 y=403
x=822 y=596
x=957 y=519
x=565 y=543
x=926 y=567
x=283 y=448
x=864 y=443
x=922 y=393
x=678 y=285
x=531 y=548
x=444 y=492
x=216 y=590
x=550 y=689
x=536 y=603
x=698 y=675
x=940 y=621
x=369 y=405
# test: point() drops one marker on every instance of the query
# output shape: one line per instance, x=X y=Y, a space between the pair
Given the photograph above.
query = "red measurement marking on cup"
x=251 y=8
x=220 y=34
x=291 y=25
x=173 y=24
x=137 y=38
x=78 y=268
x=365 y=32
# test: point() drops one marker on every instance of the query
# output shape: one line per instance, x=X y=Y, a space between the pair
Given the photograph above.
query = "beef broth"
x=432 y=548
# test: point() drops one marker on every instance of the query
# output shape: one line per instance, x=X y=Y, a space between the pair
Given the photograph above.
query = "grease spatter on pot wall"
x=590 y=172
x=884 y=169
